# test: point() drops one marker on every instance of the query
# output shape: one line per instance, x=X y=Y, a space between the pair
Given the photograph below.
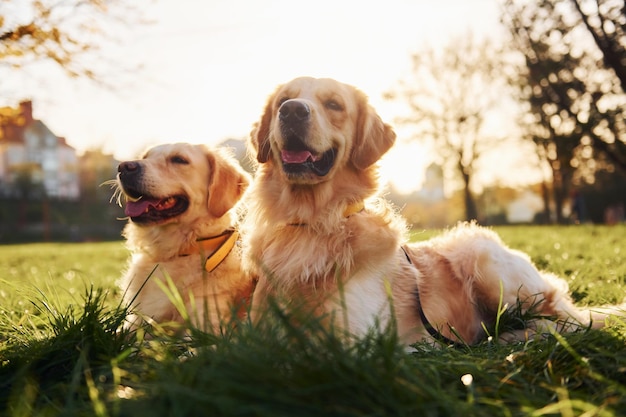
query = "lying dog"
x=315 y=235
x=180 y=201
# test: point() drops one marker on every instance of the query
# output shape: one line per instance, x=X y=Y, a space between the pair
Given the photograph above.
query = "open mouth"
x=297 y=162
x=149 y=210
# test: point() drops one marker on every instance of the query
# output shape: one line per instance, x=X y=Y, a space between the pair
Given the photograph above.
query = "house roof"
x=14 y=122
x=11 y=125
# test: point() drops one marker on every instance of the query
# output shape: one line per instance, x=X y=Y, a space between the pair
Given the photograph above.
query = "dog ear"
x=260 y=134
x=226 y=185
x=373 y=136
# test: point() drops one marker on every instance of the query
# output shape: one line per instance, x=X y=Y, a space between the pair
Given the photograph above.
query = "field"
x=63 y=351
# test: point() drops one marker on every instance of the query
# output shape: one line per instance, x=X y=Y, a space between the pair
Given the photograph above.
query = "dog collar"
x=354 y=208
x=432 y=331
x=216 y=248
x=351 y=209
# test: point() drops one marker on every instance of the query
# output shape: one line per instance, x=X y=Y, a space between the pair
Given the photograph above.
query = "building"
x=34 y=162
x=432 y=190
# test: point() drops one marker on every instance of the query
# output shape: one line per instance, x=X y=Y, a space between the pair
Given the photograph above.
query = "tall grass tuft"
x=49 y=373
x=288 y=366
x=293 y=365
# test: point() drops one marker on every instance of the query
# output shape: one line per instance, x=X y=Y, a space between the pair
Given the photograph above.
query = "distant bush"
x=59 y=220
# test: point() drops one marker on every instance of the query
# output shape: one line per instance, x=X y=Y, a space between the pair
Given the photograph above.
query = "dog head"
x=175 y=182
x=313 y=127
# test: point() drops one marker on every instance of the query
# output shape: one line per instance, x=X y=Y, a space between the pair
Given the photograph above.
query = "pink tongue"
x=296 y=157
x=136 y=208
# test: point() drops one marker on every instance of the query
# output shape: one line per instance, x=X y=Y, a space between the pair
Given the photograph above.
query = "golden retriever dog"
x=317 y=235
x=180 y=202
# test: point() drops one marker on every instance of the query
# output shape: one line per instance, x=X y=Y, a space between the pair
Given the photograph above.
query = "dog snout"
x=293 y=112
x=129 y=172
x=128 y=167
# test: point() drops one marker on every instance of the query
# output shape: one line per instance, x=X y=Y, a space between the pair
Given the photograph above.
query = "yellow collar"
x=352 y=208
x=216 y=248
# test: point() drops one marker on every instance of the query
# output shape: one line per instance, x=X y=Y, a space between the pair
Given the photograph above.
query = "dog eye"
x=282 y=100
x=333 y=105
x=177 y=159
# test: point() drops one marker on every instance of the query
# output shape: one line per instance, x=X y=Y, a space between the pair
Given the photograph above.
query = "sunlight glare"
x=404 y=166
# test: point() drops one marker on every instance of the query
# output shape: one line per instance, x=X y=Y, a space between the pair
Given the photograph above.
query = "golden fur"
x=317 y=144
x=212 y=184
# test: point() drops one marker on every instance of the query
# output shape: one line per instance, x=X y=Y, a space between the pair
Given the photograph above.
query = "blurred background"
x=507 y=111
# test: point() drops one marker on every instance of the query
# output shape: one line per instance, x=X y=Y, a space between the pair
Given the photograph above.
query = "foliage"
x=574 y=57
x=28 y=220
x=606 y=22
x=607 y=192
x=75 y=358
x=451 y=93
x=65 y=33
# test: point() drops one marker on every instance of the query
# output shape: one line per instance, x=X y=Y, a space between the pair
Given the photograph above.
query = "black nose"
x=128 y=166
x=294 y=111
x=129 y=169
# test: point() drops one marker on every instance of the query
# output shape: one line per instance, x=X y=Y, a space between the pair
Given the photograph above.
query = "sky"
x=208 y=66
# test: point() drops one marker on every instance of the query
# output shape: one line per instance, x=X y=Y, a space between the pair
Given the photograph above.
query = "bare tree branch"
x=450 y=94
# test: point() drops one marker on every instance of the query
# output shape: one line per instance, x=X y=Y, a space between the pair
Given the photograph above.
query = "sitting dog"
x=180 y=201
x=317 y=236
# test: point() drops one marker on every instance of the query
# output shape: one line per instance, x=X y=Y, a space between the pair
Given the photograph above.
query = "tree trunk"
x=471 y=213
x=560 y=187
x=545 y=196
x=557 y=193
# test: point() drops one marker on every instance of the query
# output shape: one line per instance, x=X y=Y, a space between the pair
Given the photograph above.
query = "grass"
x=63 y=352
x=56 y=272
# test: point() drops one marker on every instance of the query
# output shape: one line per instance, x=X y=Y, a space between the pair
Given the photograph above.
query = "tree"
x=575 y=103
x=606 y=22
x=451 y=93
x=64 y=33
